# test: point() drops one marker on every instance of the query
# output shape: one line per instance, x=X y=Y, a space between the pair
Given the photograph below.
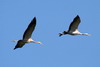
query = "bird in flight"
x=27 y=35
x=73 y=28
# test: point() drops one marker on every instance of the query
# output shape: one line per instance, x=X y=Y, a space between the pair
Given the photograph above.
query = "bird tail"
x=60 y=34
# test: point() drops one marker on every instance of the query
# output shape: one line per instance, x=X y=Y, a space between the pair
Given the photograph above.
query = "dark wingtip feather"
x=77 y=16
x=34 y=19
x=16 y=47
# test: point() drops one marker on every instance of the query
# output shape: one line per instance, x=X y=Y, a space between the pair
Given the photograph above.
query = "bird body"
x=27 y=35
x=73 y=28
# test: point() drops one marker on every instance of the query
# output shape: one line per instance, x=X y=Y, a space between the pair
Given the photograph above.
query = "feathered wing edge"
x=28 y=32
x=74 y=24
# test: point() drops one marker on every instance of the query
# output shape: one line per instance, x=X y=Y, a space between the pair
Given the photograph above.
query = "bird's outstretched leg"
x=15 y=41
x=86 y=34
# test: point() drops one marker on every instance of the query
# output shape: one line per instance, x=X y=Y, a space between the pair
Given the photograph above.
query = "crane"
x=27 y=35
x=73 y=28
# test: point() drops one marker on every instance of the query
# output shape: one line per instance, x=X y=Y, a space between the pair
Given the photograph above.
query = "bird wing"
x=74 y=25
x=30 y=29
x=19 y=44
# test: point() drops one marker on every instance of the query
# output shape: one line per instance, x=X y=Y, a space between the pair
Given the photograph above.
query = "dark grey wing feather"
x=74 y=25
x=19 y=44
x=30 y=29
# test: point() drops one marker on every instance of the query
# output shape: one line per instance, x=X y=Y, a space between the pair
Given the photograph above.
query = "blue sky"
x=53 y=16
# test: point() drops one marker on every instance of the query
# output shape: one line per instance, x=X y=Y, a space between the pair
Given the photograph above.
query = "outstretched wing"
x=74 y=25
x=30 y=29
x=19 y=44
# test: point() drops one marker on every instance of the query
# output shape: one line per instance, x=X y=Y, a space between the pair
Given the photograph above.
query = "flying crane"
x=27 y=35
x=73 y=28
